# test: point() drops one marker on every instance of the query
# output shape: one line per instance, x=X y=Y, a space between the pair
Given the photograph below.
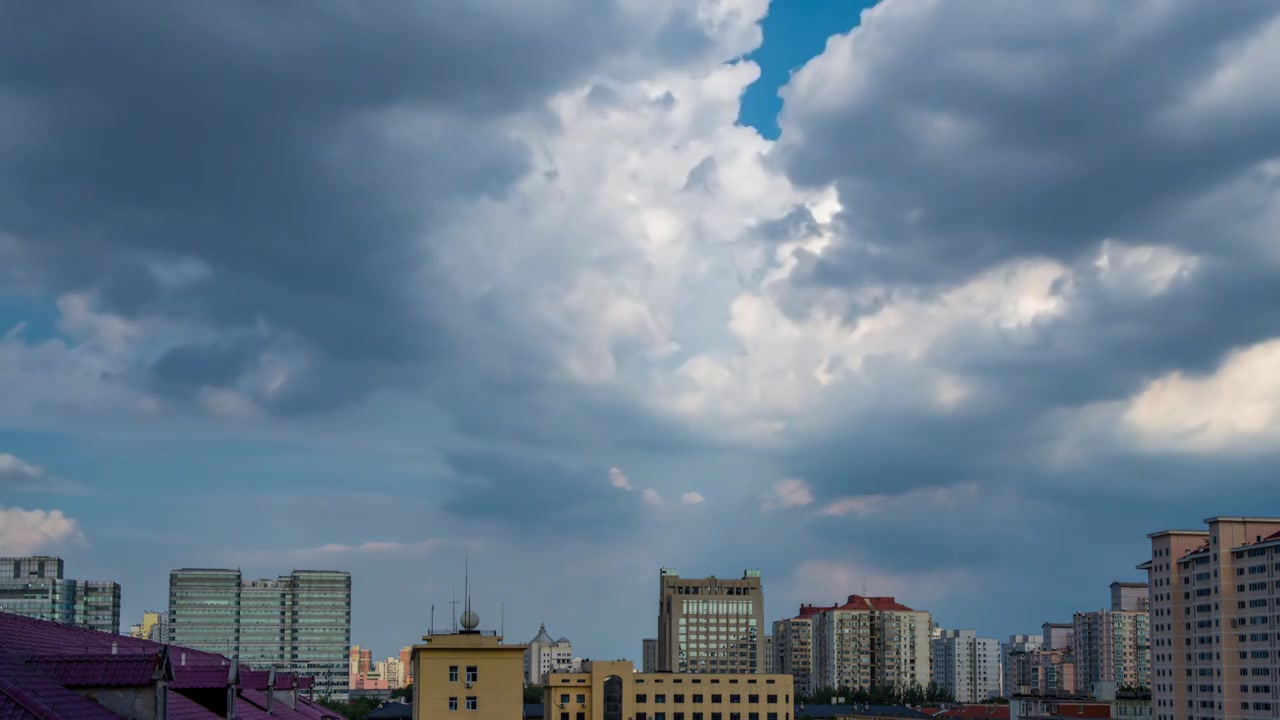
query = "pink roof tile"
x=100 y=670
x=279 y=709
x=255 y=679
x=284 y=680
x=26 y=692
x=200 y=676
x=184 y=708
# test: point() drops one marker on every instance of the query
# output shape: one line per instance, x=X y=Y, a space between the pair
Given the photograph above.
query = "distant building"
x=469 y=673
x=793 y=648
x=1130 y=596
x=1213 y=599
x=767 y=655
x=35 y=587
x=1113 y=646
x=869 y=642
x=297 y=623
x=1057 y=636
x=613 y=690
x=154 y=626
x=966 y=666
x=546 y=655
x=710 y=625
x=1015 y=663
x=649 y=657
x=1053 y=672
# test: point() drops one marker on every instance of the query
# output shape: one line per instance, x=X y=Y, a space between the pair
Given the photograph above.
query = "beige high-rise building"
x=710 y=625
x=871 y=641
x=793 y=648
x=1214 y=596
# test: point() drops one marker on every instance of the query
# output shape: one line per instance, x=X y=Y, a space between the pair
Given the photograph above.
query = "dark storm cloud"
x=984 y=133
x=971 y=140
x=534 y=495
x=302 y=152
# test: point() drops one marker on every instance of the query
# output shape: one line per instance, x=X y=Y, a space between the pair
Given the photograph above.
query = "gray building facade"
x=299 y=622
x=35 y=587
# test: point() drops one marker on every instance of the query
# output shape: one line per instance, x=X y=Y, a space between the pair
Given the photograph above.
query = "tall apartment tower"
x=1015 y=660
x=1214 y=596
x=35 y=587
x=966 y=666
x=297 y=623
x=1113 y=646
x=870 y=641
x=709 y=625
x=1130 y=596
x=793 y=648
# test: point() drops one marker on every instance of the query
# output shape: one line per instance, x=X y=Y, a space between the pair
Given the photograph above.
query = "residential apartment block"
x=35 y=587
x=1113 y=646
x=1215 y=620
x=793 y=648
x=298 y=623
x=615 y=691
x=767 y=656
x=870 y=641
x=1130 y=596
x=710 y=625
x=966 y=666
x=154 y=626
x=1015 y=663
x=546 y=655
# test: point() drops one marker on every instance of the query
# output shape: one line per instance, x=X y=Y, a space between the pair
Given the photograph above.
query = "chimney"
x=184 y=658
x=114 y=648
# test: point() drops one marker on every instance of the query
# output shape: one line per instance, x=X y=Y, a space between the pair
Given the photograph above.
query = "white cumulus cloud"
x=692 y=498
x=23 y=532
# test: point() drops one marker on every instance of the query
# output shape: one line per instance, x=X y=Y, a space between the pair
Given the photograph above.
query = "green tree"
x=404 y=692
x=533 y=695
x=357 y=709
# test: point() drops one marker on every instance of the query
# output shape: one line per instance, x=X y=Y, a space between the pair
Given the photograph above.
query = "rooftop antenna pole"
x=502 y=627
x=431 y=629
x=453 y=608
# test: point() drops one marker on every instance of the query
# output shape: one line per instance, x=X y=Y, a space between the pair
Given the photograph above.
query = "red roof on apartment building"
x=808 y=611
x=879 y=604
x=996 y=712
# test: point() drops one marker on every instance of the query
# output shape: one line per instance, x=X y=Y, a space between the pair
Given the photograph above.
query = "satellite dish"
x=470 y=620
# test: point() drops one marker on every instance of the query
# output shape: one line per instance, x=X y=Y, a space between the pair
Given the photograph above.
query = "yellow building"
x=615 y=691
x=469 y=675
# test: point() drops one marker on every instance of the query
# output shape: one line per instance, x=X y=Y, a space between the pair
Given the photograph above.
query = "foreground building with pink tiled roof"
x=50 y=671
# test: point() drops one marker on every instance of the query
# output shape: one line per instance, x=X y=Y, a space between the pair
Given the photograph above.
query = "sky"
x=953 y=302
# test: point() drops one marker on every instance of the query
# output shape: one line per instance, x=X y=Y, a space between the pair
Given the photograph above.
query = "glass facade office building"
x=297 y=623
x=35 y=587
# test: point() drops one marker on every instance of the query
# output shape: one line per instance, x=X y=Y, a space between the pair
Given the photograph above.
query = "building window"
x=735 y=699
x=564 y=698
x=659 y=716
x=697 y=699
x=642 y=698
x=472 y=673
x=772 y=700
x=641 y=716
x=453 y=673
x=453 y=704
x=471 y=703
x=564 y=716
x=716 y=699
x=753 y=698
x=582 y=699
x=659 y=699
x=678 y=699
x=582 y=716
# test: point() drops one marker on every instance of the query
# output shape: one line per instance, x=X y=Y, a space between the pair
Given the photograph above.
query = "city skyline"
x=979 y=288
